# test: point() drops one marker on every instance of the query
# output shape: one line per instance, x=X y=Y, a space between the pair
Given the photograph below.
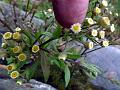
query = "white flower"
x=94 y=32
x=102 y=34
x=104 y=3
x=112 y=28
x=76 y=28
x=105 y=43
x=50 y=10
x=97 y=10
x=18 y=29
x=89 y=21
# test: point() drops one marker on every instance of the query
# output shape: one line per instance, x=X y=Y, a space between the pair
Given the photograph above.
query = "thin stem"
x=28 y=3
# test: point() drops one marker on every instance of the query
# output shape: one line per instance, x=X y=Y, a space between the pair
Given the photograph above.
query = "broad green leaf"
x=45 y=65
x=67 y=75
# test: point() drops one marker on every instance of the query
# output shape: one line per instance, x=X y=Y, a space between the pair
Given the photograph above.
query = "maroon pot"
x=69 y=12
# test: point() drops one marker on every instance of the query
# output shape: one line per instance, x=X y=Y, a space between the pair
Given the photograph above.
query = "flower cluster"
x=17 y=50
x=98 y=25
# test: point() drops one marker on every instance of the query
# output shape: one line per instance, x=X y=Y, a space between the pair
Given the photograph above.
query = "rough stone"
x=9 y=84
x=108 y=59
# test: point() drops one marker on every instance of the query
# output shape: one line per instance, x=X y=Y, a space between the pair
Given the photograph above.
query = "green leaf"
x=57 y=32
x=31 y=70
x=67 y=75
x=10 y=60
x=73 y=56
x=45 y=65
x=91 y=70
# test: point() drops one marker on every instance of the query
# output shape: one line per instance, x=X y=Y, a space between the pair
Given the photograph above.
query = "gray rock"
x=108 y=59
x=10 y=84
x=8 y=13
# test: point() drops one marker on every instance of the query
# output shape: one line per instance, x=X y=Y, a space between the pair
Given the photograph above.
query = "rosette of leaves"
x=56 y=54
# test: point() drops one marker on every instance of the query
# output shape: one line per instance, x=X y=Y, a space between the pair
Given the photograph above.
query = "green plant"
x=35 y=53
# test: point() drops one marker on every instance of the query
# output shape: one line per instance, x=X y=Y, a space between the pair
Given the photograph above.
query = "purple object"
x=69 y=12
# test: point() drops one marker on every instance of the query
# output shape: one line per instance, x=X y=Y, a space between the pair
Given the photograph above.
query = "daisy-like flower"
x=11 y=67
x=76 y=28
x=16 y=36
x=89 y=21
x=7 y=35
x=104 y=3
x=102 y=34
x=94 y=32
x=17 y=49
x=89 y=45
x=22 y=57
x=14 y=74
x=3 y=45
x=62 y=56
x=105 y=43
x=18 y=29
x=97 y=10
x=112 y=28
x=35 y=48
x=105 y=21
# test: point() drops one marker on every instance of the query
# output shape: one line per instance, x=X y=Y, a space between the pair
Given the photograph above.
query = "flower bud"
x=62 y=56
x=89 y=45
x=16 y=36
x=97 y=10
x=105 y=43
x=89 y=21
x=104 y=21
x=94 y=32
x=102 y=34
x=18 y=29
